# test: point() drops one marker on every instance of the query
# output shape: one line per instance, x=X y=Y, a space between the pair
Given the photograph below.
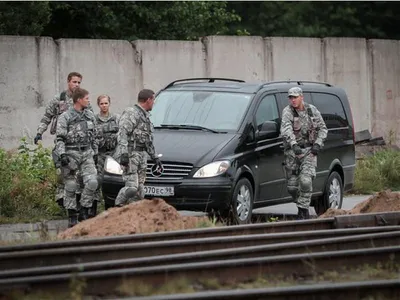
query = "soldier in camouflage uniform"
x=107 y=128
x=77 y=145
x=303 y=131
x=58 y=105
x=135 y=141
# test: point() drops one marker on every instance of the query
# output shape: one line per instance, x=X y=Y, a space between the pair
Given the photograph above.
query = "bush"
x=378 y=172
x=27 y=184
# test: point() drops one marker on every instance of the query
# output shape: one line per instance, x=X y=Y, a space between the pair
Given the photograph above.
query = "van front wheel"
x=242 y=202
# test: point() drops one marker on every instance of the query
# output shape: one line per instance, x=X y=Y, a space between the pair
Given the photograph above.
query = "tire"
x=332 y=196
x=241 y=207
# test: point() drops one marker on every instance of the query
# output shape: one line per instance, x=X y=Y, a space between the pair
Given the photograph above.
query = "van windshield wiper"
x=189 y=126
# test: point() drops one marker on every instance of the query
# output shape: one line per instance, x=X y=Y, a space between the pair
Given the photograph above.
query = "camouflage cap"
x=295 y=91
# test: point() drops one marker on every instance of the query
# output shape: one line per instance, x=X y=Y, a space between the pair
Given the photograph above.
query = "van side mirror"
x=268 y=130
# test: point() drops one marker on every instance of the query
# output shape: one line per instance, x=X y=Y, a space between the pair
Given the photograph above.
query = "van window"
x=331 y=109
x=267 y=110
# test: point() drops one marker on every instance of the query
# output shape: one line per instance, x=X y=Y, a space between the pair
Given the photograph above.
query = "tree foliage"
x=139 y=20
x=319 y=19
x=24 y=18
x=189 y=20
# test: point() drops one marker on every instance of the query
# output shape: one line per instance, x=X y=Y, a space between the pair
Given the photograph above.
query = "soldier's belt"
x=77 y=148
x=304 y=145
x=137 y=148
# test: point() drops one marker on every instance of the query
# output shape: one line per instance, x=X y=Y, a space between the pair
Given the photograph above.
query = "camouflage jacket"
x=135 y=130
x=302 y=127
x=107 y=129
x=59 y=104
x=76 y=129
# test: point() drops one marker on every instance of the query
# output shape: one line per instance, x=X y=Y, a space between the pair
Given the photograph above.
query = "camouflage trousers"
x=100 y=172
x=60 y=186
x=81 y=170
x=300 y=173
x=134 y=176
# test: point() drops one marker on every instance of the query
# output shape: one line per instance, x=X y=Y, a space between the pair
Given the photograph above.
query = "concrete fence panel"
x=294 y=58
x=107 y=67
x=164 y=61
x=25 y=62
x=235 y=57
x=385 y=56
x=346 y=63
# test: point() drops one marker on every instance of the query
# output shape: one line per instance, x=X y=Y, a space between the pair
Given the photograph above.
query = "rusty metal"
x=276 y=227
x=364 y=241
x=51 y=257
x=346 y=221
x=367 y=219
x=374 y=289
x=297 y=265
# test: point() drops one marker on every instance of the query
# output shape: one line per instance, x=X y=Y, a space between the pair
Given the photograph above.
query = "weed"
x=378 y=172
x=27 y=184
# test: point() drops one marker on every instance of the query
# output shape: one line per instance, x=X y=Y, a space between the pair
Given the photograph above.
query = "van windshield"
x=221 y=111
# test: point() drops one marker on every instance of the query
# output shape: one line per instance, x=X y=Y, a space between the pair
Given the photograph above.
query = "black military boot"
x=84 y=213
x=303 y=214
x=72 y=218
x=78 y=206
x=93 y=210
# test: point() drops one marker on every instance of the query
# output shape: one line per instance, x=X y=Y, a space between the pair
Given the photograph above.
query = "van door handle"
x=281 y=146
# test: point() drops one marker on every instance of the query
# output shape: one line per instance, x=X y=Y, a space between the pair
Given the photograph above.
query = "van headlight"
x=213 y=169
x=111 y=166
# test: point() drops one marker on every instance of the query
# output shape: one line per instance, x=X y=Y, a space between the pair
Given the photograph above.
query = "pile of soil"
x=380 y=202
x=144 y=216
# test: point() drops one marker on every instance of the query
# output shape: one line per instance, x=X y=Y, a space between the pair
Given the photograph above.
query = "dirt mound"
x=143 y=216
x=380 y=202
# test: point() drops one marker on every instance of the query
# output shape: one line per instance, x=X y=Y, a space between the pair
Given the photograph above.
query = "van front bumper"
x=203 y=194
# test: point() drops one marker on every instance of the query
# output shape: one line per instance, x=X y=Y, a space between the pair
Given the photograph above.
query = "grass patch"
x=27 y=185
x=378 y=172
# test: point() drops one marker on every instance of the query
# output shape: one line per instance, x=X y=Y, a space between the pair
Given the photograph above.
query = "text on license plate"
x=159 y=190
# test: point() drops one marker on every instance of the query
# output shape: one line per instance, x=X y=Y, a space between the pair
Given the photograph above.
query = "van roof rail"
x=210 y=79
x=299 y=82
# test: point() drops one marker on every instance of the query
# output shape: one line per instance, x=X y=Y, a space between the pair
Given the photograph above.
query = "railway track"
x=82 y=254
x=377 y=289
x=103 y=282
x=243 y=254
x=359 y=241
x=338 y=222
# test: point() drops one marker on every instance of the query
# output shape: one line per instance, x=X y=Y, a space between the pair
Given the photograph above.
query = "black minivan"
x=222 y=151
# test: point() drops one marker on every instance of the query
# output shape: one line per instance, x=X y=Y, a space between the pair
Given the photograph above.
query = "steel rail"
x=51 y=257
x=261 y=228
x=363 y=241
x=345 y=221
x=305 y=264
x=373 y=289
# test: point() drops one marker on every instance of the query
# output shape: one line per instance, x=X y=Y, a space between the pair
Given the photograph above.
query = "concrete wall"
x=346 y=65
x=164 y=61
x=385 y=98
x=33 y=70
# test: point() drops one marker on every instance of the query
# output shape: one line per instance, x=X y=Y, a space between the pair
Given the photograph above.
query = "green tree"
x=318 y=19
x=139 y=20
x=24 y=18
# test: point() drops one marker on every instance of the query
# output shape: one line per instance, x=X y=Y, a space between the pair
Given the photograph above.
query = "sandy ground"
x=156 y=215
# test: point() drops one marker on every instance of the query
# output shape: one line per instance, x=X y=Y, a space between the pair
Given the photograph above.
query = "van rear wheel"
x=332 y=196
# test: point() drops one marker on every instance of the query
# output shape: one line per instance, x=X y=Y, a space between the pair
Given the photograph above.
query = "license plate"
x=159 y=190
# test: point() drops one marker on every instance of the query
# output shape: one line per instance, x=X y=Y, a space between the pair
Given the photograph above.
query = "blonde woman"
x=107 y=128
